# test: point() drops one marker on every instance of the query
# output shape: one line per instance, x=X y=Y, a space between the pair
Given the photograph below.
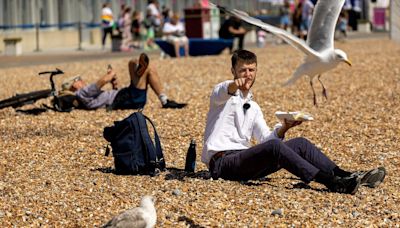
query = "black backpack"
x=65 y=103
x=133 y=148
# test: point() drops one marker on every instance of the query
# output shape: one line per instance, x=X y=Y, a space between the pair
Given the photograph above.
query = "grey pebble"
x=277 y=212
x=176 y=192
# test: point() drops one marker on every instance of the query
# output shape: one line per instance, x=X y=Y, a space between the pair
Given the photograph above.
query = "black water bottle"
x=190 y=164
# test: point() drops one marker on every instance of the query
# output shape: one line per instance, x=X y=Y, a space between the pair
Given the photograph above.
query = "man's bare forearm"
x=282 y=131
x=107 y=78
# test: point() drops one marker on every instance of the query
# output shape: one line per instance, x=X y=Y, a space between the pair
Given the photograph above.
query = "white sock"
x=163 y=98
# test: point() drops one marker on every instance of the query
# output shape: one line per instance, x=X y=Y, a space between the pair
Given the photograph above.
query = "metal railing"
x=41 y=26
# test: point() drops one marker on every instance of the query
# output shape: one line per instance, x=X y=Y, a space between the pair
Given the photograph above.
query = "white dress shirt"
x=231 y=127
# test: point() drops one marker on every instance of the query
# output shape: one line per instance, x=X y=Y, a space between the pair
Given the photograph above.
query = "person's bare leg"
x=132 y=65
x=150 y=76
x=154 y=81
x=138 y=71
x=186 y=49
x=177 y=47
x=155 y=84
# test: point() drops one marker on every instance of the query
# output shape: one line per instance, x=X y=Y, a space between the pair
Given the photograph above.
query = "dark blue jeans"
x=298 y=156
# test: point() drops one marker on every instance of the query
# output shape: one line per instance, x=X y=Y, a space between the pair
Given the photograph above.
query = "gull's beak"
x=348 y=62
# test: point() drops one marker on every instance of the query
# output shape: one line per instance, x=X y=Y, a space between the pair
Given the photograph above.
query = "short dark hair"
x=244 y=55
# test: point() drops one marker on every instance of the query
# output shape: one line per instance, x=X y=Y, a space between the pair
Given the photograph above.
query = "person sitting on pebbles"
x=174 y=33
x=234 y=118
x=91 y=96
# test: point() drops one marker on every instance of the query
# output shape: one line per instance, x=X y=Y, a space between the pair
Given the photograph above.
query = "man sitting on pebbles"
x=234 y=118
x=132 y=97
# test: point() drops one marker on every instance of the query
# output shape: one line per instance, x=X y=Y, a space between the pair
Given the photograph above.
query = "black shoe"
x=371 y=178
x=173 y=104
x=347 y=185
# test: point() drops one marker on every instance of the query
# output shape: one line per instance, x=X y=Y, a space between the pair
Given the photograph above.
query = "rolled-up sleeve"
x=220 y=94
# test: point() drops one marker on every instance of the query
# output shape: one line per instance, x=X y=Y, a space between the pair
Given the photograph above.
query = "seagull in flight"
x=321 y=56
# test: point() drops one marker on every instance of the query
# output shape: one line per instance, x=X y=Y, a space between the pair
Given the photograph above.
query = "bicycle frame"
x=52 y=74
x=28 y=98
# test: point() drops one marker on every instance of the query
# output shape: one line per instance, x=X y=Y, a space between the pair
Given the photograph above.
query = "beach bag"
x=132 y=147
x=65 y=101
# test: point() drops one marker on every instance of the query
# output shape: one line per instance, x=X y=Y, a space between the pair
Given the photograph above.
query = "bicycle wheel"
x=23 y=99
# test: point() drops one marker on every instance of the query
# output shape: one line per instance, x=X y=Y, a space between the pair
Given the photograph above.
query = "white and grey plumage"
x=319 y=49
x=140 y=217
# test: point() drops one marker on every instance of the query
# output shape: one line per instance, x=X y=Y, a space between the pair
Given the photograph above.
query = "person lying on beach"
x=142 y=74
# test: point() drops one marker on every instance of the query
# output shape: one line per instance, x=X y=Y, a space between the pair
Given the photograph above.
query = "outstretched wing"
x=322 y=30
x=289 y=38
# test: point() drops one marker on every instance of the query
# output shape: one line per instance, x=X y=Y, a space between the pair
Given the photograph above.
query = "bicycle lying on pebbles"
x=60 y=101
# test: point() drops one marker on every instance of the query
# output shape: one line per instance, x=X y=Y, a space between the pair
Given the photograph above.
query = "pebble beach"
x=53 y=171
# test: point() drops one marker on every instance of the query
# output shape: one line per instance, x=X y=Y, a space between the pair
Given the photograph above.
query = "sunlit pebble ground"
x=53 y=170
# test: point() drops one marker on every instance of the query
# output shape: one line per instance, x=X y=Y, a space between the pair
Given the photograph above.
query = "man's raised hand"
x=242 y=84
x=290 y=123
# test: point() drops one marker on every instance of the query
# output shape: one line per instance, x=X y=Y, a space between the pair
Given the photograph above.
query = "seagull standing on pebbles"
x=144 y=216
x=321 y=56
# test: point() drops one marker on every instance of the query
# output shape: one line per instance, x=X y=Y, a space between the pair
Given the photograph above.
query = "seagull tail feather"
x=288 y=82
x=293 y=79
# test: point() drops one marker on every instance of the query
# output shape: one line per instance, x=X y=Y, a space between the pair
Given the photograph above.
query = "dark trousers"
x=240 y=42
x=240 y=38
x=353 y=17
x=298 y=156
x=106 y=31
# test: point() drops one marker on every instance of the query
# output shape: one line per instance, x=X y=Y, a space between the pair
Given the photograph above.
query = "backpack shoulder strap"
x=141 y=121
x=158 y=148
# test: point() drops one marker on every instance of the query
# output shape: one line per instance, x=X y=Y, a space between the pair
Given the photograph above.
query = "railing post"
x=37 y=37
x=80 y=36
x=80 y=25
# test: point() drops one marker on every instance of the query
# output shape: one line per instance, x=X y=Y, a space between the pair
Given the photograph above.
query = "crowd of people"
x=296 y=16
x=138 y=31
